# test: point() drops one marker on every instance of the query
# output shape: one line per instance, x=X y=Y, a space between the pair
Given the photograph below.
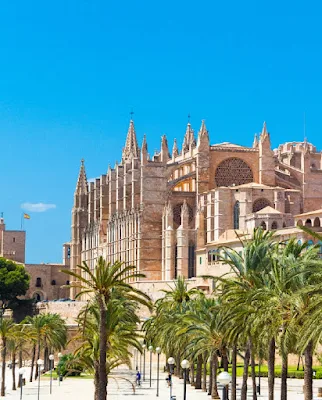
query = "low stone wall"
x=68 y=310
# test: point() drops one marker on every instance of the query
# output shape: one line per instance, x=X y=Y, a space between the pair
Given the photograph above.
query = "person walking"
x=138 y=378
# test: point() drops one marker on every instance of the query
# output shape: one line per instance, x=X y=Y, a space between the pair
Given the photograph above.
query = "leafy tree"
x=14 y=281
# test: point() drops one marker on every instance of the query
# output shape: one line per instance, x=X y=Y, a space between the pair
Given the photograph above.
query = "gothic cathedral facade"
x=155 y=213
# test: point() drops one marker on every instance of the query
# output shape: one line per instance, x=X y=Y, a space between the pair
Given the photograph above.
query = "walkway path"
x=121 y=387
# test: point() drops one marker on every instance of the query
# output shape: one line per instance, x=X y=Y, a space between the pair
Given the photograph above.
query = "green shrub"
x=68 y=366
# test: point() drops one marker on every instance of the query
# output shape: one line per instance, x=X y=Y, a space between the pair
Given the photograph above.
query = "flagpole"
x=21 y=221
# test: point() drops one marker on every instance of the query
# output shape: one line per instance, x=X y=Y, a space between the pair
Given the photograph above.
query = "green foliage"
x=68 y=366
x=21 y=308
x=14 y=281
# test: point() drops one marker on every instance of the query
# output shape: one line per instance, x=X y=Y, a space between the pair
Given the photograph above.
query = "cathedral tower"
x=79 y=222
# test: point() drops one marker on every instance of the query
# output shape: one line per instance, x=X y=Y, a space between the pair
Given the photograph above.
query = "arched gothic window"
x=263 y=225
x=274 y=225
x=259 y=204
x=233 y=171
x=317 y=223
x=236 y=215
x=177 y=213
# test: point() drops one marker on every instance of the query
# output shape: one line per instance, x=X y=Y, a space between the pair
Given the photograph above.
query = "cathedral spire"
x=81 y=187
x=131 y=148
x=164 y=149
x=203 y=136
x=175 y=151
x=144 y=146
x=189 y=138
x=255 y=142
x=144 y=151
x=264 y=133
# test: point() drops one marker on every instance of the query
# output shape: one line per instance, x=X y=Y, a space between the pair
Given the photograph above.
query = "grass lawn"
x=82 y=376
x=292 y=371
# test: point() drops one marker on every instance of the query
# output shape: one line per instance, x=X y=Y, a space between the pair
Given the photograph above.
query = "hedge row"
x=291 y=374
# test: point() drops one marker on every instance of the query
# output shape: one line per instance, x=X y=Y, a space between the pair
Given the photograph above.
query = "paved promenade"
x=121 y=385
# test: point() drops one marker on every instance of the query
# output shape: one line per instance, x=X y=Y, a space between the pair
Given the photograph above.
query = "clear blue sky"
x=72 y=70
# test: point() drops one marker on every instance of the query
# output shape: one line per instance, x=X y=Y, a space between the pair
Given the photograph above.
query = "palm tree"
x=15 y=345
x=100 y=283
x=46 y=330
x=6 y=328
x=249 y=268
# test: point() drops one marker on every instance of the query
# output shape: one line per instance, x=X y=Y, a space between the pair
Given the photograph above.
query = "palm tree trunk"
x=252 y=360
x=308 y=372
x=32 y=362
x=214 y=392
x=20 y=359
x=96 y=380
x=19 y=363
x=177 y=368
x=37 y=358
x=234 y=374
x=46 y=359
x=3 y=368
x=102 y=347
x=198 y=372
x=245 y=374
x=284 y=375
x=271 y=369
x=14 y=370
x=224 y=359
x=210 y=377
x=204 y=374
x=192 y=373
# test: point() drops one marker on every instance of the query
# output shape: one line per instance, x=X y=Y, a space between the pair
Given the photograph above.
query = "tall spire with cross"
x=131 y=148
x=81 y=186
x=189 y=138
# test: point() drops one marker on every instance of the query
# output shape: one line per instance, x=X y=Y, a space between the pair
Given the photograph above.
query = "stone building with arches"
x=159 y=213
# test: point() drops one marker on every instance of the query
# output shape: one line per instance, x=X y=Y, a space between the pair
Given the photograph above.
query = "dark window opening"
x=53 y=282
x=191 y=261
x=14 y=240
x=236 y=215
x=38 y=282
x=274 y=225
x=67 y=282
x=176 y=262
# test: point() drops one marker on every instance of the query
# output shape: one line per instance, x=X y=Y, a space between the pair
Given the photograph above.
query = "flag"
x=26 y=216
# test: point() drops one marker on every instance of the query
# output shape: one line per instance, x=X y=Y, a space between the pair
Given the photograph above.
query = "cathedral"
x=160 y=213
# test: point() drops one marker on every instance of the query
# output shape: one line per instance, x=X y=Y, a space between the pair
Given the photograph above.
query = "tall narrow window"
x=38 y=282
x=191 y=261
x=176 y=262
x=236 y=215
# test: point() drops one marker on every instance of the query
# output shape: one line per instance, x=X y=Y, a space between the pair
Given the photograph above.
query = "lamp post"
x=185 y=365
x=51 y=362
x=158 y=350
x=150 y=350
x=21 y=374
x=224 y=378
x=143 y=347
x=39 y=364
x=58 y=369
x=171 y=362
